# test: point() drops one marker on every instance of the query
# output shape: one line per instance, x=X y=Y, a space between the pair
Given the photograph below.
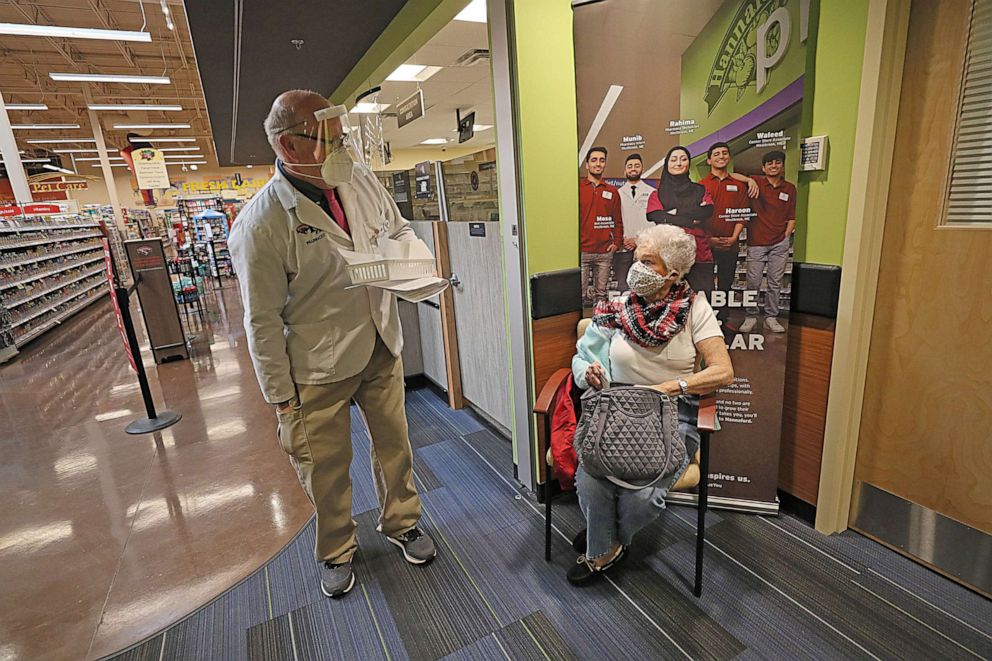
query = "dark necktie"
x=633 y=191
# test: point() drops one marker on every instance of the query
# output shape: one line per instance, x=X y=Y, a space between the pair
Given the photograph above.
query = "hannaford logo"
x=739 y=63
x=307 y=229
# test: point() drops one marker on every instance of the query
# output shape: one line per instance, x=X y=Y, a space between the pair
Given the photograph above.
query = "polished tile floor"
x=106 y=538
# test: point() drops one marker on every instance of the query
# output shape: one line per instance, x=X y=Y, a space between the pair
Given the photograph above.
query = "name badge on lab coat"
x=784 y=197
x=607 y=195
x=732 y=189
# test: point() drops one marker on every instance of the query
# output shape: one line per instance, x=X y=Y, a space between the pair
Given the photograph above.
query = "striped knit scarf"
x=648 y=324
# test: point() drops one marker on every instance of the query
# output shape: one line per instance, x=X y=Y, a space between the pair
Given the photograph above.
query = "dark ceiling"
x=335 y=35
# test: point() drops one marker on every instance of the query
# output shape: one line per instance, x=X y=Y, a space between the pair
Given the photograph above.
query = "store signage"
x=422 y=180
x=410 y=109
x=29 y=210
x=150 y=168
x=219 y=185
x=56 y=186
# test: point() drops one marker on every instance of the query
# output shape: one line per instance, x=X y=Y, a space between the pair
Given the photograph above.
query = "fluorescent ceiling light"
x=26 y=106
x=182 y=155
x=412 y=73
x=365 y=107
x=131 y=106
x=138 y=138
x=109 y=78
x=49 y=166
x=59 y=141
x=186 y=163
x=476 y=128
x=97 y=158
x=179 y=149
x=44 y=126
x=33 y=160
x=475 y=12
x=59 y=32
x=151 y=126
x=78 y=151
x=113 y=165
x=435 y=141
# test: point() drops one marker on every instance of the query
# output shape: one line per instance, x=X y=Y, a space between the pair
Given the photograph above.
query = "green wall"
x=548 y=153
x=839 y=54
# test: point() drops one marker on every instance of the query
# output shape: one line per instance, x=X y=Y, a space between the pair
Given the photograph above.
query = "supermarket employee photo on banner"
x=718 y=84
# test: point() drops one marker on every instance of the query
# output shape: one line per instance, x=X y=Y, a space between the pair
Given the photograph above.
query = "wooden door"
x=924 y=464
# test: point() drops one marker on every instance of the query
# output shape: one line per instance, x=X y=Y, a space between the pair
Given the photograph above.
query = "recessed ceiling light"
x=412 y=73
x=475 y=12
x=60 y=141
x=151 y=126
x=60 y=32
x=366 y=107
x=109 y=78
x=132 y=106
x=139 y=138
x=43 y=126
x=435 y=141
x=249 y=166
x=194 y=166
x=49 y=166
x=26 y=106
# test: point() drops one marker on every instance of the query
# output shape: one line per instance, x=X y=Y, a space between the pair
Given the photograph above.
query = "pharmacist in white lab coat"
x=634 y=195
x=316 y=343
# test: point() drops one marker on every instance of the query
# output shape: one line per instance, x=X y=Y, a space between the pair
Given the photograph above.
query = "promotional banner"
x=150 y=168
x=716 y=86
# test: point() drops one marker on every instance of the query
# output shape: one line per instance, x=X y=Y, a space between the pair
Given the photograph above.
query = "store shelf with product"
x=52 y=268
x=206 y=227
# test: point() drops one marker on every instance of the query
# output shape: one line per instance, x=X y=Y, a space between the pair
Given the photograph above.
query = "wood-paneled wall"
x=804 y=410
x=554 y=341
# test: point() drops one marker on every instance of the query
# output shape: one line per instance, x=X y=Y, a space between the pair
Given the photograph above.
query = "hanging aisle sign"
x=150 y=168
x=731 y=95
x=56 y=186
x=410 y=108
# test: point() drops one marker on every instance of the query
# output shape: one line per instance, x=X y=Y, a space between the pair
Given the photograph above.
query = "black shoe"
x=336 y=580
x=583 y=573
x=579 y=543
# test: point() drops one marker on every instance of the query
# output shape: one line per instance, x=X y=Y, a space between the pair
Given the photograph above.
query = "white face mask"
x=338 y=167
x=645 y=281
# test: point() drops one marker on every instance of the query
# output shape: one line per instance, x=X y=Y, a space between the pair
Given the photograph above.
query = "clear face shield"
x=332 y=138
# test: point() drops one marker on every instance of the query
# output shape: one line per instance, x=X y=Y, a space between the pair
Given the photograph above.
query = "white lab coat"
x=634 y=208
x=303 y=323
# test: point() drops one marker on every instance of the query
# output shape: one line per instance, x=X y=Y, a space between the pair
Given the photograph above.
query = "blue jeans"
x=614 y=513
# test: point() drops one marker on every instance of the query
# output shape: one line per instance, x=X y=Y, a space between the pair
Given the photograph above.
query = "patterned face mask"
x=644 y=281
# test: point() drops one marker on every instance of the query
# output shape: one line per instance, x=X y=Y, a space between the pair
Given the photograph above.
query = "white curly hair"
x=676 y=248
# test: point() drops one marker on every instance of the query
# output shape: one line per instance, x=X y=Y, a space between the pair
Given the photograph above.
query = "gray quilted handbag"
x=629 y=436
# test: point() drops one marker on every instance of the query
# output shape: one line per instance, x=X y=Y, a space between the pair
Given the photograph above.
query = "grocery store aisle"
x=105 y=538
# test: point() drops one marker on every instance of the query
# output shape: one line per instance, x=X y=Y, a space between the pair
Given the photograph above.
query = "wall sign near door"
x=476 y=229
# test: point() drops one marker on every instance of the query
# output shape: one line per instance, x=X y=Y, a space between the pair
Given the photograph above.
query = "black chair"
x=546 y=403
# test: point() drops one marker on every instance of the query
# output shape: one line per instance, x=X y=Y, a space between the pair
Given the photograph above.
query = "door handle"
x=454 y=280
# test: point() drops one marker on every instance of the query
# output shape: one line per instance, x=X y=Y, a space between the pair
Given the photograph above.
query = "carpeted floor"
x=774 y=588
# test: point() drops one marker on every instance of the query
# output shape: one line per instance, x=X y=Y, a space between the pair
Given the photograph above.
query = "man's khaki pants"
x=317 y=437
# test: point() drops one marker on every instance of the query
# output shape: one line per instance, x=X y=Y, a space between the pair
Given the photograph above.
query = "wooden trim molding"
x=451 y=358
x=878 y=109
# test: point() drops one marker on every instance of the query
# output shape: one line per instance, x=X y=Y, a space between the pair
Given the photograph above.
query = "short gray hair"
x=283 y=114
x=672 y=244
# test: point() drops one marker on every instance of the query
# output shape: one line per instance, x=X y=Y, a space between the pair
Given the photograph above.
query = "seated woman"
x=656 y=336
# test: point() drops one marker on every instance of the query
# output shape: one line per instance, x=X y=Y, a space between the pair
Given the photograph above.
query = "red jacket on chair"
x=563 y=421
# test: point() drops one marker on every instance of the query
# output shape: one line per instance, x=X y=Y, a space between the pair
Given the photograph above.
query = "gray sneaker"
x=771 y=323
x=336 y=580
x=418 y=547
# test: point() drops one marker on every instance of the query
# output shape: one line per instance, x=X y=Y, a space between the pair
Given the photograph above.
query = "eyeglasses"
x=339 y=142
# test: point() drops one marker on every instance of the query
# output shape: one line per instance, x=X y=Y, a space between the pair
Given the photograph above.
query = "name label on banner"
x=29 y=210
